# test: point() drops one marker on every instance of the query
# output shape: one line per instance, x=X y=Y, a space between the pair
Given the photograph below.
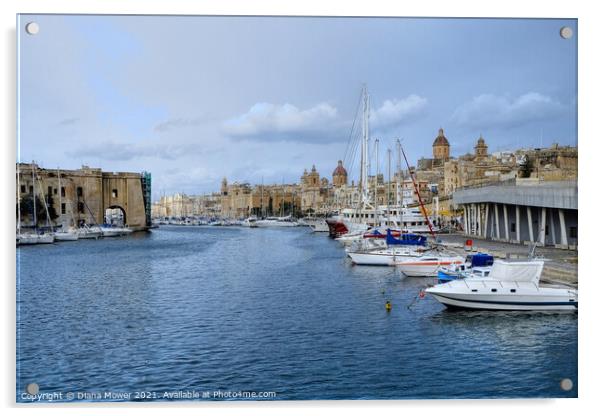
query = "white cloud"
x=488 y=110
x=396 y=111
x=283 y=122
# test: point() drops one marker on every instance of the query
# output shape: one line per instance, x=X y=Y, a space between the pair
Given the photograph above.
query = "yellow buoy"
x=388 y=306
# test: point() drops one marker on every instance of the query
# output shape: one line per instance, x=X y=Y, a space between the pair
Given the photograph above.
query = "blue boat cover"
x=406 y=239
x=481 y=260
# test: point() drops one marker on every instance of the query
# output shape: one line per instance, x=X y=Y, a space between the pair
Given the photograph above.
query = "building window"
x=49 y=190
x=573 y=232
x=55 y=191
x=23 y=189
x=63 y=208
x=30 y=189
x=80 y=191
x=80 y=207
x=62 y=191
x=513 y=227
x=114 y=193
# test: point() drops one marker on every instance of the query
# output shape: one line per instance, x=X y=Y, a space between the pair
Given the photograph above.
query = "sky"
x=259 y=99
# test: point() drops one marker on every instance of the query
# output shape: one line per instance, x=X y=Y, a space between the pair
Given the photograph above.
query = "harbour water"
x=206 y=309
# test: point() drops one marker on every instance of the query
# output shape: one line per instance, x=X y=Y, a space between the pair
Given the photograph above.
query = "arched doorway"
x=115 y=215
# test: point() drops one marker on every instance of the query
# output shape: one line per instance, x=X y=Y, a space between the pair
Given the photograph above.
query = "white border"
x=590 y=72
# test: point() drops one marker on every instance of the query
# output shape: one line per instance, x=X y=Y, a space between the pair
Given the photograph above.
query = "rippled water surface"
x=209 y=309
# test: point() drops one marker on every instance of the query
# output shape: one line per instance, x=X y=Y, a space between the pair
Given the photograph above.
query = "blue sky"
x=194 y=99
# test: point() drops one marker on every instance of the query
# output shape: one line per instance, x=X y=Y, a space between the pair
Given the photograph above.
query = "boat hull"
x=378 y=259
x=489 y=294
x=265 y=224
x=66 y=236
x=336 y=227
x=524 y=304
x=31 y=239
x=90 y=235
x=425 y=268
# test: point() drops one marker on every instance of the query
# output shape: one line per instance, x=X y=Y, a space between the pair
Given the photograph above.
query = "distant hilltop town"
x=437 y=178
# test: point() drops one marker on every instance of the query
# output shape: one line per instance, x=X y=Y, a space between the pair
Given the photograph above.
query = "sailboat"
x=37 y=237
x=62 y=235
x=86 y=231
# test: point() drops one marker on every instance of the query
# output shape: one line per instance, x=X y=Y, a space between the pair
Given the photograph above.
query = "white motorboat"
x=511 y=285
x=277 y=222
x=350 y=238
x=31 y=238
x=385 y=257
x=69 y=235
x=87 y=232
x=317 y=225
x=250 y=222
x=114 y=231
x=426 y=265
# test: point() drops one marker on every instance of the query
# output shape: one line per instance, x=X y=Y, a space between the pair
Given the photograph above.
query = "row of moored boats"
x=73 y=234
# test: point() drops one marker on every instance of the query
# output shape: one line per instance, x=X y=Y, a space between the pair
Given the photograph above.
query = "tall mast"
x=376 y=177
x=366 y=135
x=58 y=174
x=426 y=217
x=389 y=187
x=33 y=180
x=398 y=195
x=43 y=200
x=261 y=203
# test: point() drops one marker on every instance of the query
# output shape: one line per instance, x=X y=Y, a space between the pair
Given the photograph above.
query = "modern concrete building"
x=522 y=211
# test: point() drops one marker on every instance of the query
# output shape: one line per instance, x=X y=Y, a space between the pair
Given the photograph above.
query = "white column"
x=465 y=218
x=530 y=221
x=497 y=222
x=518 y=223
x=473 y=219
x=542 y=227
x=553 y=226
x=486 y=220
x=563 y=240
x=479 y=223
x=506 y=222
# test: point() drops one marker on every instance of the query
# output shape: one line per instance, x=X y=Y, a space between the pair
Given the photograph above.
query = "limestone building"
x=83 y=196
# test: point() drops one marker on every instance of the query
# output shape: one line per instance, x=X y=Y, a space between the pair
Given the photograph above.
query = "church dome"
x=481 y=141
x=440 y=140
x=340 y=170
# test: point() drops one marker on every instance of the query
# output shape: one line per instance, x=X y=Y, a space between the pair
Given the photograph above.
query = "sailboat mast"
x=426 y=217
x=376 y=176
x=33 y=180
x=44 y=200
x=389 y=187
x=398 y=192
x=58 y=174
x=366 y=135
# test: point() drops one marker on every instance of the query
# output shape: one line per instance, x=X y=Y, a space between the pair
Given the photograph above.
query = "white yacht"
x=114 y=231
x=510 y=285
x=277 y=222
x=68 y=235
x=386 y=256
x=250 y=222
x=89 y=232
x=34 y=238
x=317 y=225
